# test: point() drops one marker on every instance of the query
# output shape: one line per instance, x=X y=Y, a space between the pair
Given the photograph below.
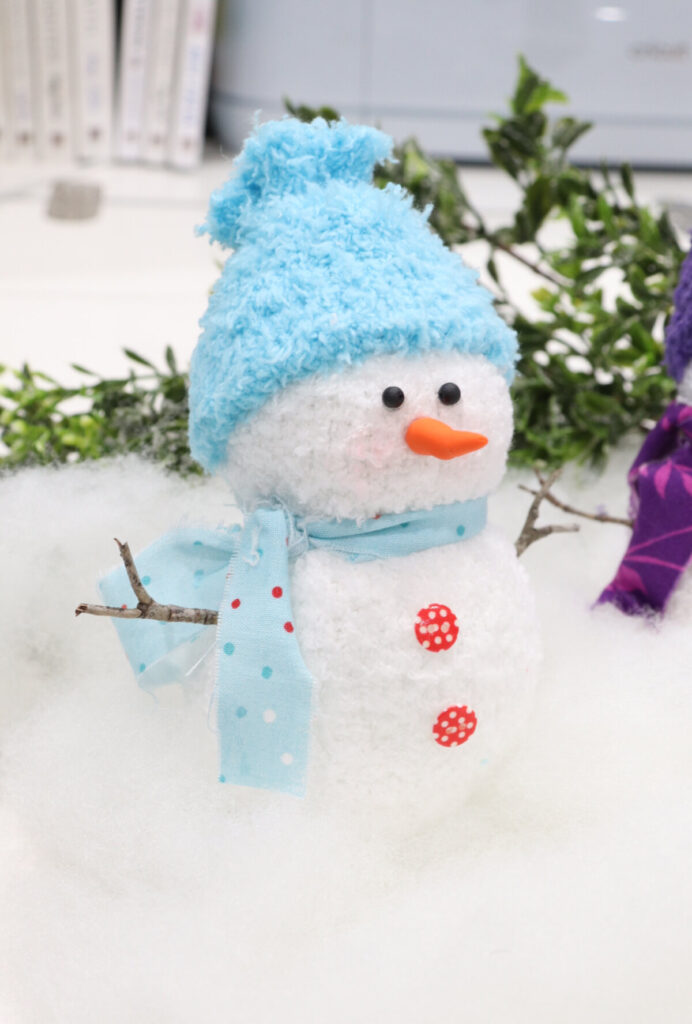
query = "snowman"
x=376 y=642
x=655 y=575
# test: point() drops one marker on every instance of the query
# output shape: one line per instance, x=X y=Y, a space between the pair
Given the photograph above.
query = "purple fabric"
x=661 y=506
x=679 y=332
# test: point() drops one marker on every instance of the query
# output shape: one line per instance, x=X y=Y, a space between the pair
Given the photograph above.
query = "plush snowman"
x=376 y=640
x=655 y=574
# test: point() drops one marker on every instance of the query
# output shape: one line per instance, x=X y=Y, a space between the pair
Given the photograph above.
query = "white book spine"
x=4 y=119
x=135 y=38
x=192 y=84
x=160 y=80
x=53 y=113
x=92 y=29
x=19 y=85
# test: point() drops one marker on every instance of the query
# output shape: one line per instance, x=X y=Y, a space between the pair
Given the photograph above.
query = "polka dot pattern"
x=436 y=628
x=454 y=726
x=247 y=578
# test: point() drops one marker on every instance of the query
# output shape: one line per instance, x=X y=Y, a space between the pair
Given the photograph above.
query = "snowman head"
x=349 y=364
x=391 y=434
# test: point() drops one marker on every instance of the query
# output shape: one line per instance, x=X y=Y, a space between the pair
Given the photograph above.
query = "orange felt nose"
x=426 y=436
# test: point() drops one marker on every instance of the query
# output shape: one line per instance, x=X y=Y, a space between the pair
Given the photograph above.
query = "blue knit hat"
x=327 y=270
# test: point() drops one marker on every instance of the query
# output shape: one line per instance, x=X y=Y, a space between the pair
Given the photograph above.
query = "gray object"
x=74 y=200
x=437 y=70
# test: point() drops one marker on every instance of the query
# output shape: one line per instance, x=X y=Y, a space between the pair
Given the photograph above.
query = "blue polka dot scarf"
x=263 y=688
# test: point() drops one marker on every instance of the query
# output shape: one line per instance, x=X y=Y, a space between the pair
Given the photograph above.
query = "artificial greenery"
x=145 y=411
x=590 y=369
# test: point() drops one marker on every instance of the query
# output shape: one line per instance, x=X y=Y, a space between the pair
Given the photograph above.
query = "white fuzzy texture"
x=329 y=447
x=134 y=889
x=379 y=691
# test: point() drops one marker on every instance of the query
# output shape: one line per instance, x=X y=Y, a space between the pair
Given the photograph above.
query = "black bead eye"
x=393 y=397
x=449 y=394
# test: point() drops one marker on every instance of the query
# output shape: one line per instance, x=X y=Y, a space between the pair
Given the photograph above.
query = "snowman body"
x=401 y=722
x=423 y=665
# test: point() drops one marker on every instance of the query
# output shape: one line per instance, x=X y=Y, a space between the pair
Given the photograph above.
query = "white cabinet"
x=437 y=69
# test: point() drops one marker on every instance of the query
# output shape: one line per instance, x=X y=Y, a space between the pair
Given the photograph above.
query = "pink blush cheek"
x=374 y=450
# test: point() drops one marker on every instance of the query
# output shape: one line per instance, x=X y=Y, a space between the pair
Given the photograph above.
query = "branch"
x=479 y=234
x=147 y=607
x=132 y=574
x=530 y=532
x=598 y=517
x=535 y=267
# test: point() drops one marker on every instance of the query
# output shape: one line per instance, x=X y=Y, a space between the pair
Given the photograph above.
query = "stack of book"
x=64 y=95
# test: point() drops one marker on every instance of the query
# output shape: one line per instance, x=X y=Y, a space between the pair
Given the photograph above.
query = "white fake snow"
x=560 y=892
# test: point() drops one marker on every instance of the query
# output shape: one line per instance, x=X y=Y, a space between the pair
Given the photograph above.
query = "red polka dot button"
x=235 y=603
x=277 y=591
x=454 y=726
x=436 y=627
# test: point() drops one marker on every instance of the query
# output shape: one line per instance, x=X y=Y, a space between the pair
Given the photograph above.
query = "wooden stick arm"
x=147 y=607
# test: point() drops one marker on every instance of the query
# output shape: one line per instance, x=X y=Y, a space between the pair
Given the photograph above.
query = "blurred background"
x=117 y=119
x=98 y=80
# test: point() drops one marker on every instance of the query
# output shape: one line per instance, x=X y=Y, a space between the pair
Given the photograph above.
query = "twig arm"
x=530 y=533
x=147 y=607
x=138 y=587
x=598 y=517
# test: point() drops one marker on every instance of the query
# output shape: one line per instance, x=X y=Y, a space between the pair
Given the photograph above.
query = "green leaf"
x=138 y=359
x=305 y=113
x=576 y=217
x=605 y=212
x=537 y=204
x=532 y=92
x=567 y=130
x=627 y=179
x=170 y=359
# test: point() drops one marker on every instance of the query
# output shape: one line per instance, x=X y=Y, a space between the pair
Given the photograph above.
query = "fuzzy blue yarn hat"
x=679 y=331
x=327 y=270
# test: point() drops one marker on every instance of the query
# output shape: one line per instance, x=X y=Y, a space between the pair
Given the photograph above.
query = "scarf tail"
x=661 y=544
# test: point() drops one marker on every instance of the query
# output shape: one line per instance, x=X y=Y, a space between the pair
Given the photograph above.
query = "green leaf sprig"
x=146 y=411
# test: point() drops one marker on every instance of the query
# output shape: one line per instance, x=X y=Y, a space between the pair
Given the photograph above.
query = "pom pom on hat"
x=327 y=270
x=679 y=332
x=285 y=157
